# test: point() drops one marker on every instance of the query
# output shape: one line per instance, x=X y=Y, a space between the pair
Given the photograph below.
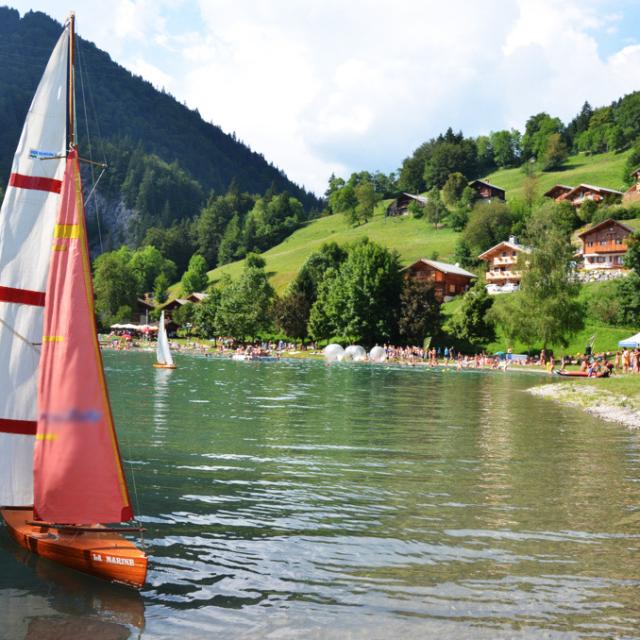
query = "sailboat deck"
x=105 y=554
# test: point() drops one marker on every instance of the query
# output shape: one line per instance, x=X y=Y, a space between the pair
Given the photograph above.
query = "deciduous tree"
x=420 y=314
x=195 y=278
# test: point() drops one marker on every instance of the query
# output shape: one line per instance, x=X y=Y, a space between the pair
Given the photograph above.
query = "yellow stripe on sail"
x=46 y=436
x=60 y=247
x=52 y=338
x=67 y=231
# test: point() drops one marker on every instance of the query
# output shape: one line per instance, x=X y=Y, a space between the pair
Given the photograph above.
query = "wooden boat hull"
x=582 y=374
x=104 y=554
x=157 y=365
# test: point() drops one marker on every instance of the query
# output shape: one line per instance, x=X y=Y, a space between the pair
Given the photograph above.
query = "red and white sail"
x=27 y=219
x=78 y=474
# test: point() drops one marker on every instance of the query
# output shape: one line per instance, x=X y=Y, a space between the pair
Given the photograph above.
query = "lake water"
x=298 y=500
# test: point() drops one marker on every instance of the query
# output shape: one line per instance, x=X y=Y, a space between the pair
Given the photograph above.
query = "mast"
x=71 y=141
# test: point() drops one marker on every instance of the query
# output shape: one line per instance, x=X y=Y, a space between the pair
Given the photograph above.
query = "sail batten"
x=27 y=217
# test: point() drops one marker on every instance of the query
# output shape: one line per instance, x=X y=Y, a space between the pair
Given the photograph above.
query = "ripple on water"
x=302 y=500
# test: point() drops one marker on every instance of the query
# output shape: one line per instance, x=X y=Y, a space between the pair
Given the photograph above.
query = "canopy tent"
x=633 y=341
x=141 y=328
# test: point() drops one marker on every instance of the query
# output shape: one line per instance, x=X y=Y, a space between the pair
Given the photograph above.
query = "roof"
x=593 y=187
x=445 y=267
x=146 y=303
x=564 y=187
x=421 y=199
x=604 y=223
x=512 y=245
x=198 y=296
x=486 y=184
x=636 y=170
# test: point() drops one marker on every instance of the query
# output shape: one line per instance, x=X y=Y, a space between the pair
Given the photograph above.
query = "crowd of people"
x=626 y=361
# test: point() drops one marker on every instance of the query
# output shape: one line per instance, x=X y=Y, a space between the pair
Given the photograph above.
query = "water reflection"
x=299 y=500
x=41 y=600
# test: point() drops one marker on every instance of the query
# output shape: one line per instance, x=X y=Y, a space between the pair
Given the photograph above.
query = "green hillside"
x=604 y=169
x=605 y=336
x=413 y=238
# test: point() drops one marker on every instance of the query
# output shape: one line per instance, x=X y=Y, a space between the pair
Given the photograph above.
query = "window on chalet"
x=452 y=288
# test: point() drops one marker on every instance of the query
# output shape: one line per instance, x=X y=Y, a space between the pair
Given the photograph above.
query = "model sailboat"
x=164 y=360
x=61 y=476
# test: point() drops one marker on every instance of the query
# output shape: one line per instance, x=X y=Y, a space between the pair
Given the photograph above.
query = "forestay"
x=27 y=219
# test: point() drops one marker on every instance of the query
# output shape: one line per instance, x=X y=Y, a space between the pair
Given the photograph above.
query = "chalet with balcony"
x=486 y=191
x=583 y=192
x=400 y=205
x=604 y=245
x=502 y=261
x=632 y=194
x=449 y=280
x=558 y=192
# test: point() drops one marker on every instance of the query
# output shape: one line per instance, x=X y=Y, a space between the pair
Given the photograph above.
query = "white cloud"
x=326 y=86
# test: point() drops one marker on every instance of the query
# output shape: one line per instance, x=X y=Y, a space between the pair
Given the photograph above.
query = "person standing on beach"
x=626 y=360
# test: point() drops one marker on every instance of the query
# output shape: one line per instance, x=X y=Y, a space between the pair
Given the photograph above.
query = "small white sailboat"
x=61 y=475
x=164 y=359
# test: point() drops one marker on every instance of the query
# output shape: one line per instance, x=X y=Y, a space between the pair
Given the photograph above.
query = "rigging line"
x=92 y=106
x=86 y=121
x=31 y=345
x=95 y=184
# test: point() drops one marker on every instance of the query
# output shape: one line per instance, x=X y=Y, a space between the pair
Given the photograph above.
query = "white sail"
x=163 y=353
x=27 y=220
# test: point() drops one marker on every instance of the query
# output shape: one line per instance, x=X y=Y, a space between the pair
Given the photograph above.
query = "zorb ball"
x=333 y=352
x=355 y=353
x=377 y=354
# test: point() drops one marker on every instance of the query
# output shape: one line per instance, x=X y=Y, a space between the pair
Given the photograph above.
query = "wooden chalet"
x=400 y=205
x=604 y=245
x=502 y=260
x=144 y=306
x=449 y=279
x=558 y=192
x=632 y=194
x=197 y=297
x=583 y=192
x=487 y=191
x=174 y=304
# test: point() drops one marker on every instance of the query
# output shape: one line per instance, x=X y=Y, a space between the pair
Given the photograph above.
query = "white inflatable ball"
x=333 y=352
x=357 y=353
x=377 y=354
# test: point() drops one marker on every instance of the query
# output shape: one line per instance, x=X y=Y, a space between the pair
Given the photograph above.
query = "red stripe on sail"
x=20 y=181
x=20 y=427
x=22 y=296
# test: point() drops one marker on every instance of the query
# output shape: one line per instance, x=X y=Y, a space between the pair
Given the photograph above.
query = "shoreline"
x=601 y=403
x=604 y=402
x=318 y=356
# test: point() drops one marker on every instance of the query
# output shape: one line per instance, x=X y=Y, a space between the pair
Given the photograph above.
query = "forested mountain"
x=164 y=158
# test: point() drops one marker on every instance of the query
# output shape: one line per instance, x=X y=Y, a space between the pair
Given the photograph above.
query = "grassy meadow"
x=412 y=239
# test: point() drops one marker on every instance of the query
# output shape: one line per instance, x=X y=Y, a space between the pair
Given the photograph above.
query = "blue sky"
x=322 y=86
